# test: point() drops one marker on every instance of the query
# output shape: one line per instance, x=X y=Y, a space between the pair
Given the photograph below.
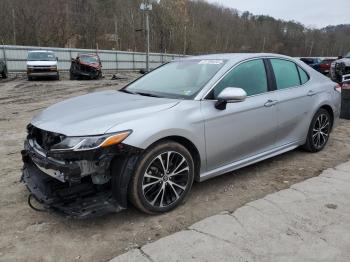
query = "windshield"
x=89 y=59
x=41 y=56
x=179 y=79
x=347 y=55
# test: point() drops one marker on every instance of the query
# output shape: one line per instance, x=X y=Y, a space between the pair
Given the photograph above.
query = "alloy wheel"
x=320 y=131
x=166 y=179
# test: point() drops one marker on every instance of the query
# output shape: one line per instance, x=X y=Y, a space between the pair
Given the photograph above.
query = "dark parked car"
x=314 y=62
x=325 y=65
x=3 y=69
x=86 y=66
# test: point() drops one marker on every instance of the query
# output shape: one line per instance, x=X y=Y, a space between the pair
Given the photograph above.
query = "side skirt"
x=248 y=161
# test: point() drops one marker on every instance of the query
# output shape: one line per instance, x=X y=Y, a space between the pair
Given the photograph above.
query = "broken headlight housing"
x=90 y=142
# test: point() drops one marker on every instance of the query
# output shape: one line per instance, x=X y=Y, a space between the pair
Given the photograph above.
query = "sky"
x=312 y=13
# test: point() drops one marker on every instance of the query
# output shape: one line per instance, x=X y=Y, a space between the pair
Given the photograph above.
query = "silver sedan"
x=188 y=120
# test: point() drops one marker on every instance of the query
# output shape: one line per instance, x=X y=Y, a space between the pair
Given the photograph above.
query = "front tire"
x=163 y=178
x=319 y=131
x=99 y=76
x=72 y=76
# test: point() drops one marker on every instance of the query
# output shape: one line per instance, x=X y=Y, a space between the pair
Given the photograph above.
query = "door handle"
x=270 y=103
x=311 y=93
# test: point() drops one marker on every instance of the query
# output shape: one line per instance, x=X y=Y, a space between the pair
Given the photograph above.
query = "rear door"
x=295 y=98
x=243 y=129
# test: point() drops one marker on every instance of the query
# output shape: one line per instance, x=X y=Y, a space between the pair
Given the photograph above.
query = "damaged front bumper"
x=88 y=74
x=79 y=184
x=76 y=201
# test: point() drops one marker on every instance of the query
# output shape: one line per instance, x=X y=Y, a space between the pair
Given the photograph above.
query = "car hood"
x=93 y=65
x=345 y=60
x=96 y=113
x=41 y=63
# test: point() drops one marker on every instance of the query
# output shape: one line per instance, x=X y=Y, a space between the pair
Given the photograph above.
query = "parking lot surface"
x=26 y=235
x=306 y=222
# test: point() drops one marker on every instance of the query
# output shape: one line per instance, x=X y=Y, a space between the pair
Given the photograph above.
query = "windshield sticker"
x=187 y=92
x=210 y=62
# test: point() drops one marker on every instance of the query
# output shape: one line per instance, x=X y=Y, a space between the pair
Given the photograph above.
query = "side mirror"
x=230 y=95
x=340 y=57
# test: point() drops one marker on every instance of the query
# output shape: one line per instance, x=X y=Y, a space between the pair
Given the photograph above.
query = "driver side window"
x=250 y=76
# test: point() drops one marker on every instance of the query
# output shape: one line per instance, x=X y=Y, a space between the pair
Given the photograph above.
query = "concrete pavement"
x=310 y=221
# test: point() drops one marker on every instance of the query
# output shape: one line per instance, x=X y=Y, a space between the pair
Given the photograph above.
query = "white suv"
x=42 y=64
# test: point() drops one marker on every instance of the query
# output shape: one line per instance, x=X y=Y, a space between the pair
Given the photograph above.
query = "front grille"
x=342 y=69
x=39 y=69
x=86 y=68
x=43 y=138
x=339 y=68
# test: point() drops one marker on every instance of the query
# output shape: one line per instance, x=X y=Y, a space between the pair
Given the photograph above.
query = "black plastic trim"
x=271 y=79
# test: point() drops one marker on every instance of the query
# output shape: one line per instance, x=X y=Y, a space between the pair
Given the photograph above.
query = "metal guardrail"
x=16 y=57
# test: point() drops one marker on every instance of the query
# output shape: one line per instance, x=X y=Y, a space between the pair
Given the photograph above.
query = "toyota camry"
x=188 y=120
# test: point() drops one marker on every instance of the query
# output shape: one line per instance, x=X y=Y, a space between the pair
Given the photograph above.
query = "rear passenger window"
x=286 y=73
x=303 y=76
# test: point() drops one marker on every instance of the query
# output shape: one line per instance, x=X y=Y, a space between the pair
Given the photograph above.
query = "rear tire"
x=319 y=131
x=4 y=73
x=163 y=178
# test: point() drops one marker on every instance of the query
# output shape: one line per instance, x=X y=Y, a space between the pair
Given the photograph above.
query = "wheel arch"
x=190 y=146
x=124 y=167
x=329 y=109
x=308 y=146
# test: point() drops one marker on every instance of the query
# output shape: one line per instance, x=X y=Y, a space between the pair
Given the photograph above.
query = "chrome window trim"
x=203 y=97
x=227 y=72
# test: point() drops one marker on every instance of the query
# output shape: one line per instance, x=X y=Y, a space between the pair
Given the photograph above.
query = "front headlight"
x=90 y=142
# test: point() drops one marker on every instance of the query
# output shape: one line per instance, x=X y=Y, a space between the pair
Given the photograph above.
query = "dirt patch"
x=26 y=235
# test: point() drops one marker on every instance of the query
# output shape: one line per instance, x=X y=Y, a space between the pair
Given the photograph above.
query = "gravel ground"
x=26 y=235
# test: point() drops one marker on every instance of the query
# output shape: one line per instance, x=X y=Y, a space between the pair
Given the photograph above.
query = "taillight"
x=337 y=88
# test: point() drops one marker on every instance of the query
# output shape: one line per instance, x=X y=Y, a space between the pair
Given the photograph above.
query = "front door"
x=245 y=128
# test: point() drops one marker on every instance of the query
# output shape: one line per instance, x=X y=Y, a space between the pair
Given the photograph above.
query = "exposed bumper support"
x=77 y=201
x=77 y=195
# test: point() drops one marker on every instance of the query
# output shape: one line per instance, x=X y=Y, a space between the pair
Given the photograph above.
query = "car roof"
x=235 y=56
x=40 y=51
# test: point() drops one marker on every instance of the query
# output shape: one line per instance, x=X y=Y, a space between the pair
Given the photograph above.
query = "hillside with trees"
x=177 y=26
